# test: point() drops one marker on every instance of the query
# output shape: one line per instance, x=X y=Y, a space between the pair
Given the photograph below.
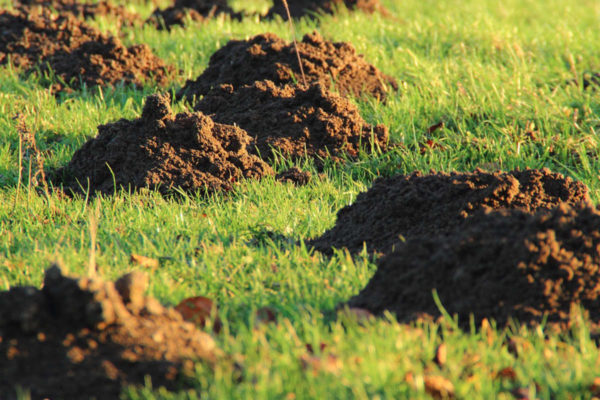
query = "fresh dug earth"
x=267 y=57
x=294 y=121
x=88 y=338
x=84 y=10
x=303 y=8
x=197 y=10
x=498 y=265
x=418 y=204
x=76 y=53
x=163 y=151
x=295 y=176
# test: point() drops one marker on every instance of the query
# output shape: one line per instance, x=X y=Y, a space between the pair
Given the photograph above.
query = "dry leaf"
x=507 y=373
x=439 y=387
x=441 y=355
x=435 y=127
x=199 y=310
x=144 y=261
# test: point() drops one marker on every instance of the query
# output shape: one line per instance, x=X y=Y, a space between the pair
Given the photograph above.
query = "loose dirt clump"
x=418 y=204
x=267 y=57
x=498 y=265
x=88 y=338
x=163 y=151
x=76 y=53
x=304 y=8
x=294 y=121
x=196 y=10
x=294 y=175
x=84 y=10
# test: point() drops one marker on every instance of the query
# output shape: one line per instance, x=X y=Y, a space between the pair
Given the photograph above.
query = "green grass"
x=487 y=69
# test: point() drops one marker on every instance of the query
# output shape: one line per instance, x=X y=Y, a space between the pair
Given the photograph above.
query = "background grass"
x=493 y=72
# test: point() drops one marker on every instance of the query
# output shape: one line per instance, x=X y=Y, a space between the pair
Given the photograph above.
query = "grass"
x=493 y=72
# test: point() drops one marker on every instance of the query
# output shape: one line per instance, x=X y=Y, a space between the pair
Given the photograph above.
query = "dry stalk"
x=292 y=28
x=94 y=216
x=27 y=137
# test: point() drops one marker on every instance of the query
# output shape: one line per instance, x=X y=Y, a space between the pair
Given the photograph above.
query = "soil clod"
x=498 y=265
x=267 y=57
x=294 y=175
x=196 y=10
x=82 y=338
x=417 y=204
x=303 y=8
x=294 y=121
x=74 y=52
x=163 y=151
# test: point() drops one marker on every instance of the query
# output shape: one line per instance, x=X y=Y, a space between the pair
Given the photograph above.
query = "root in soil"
x=499 y=265
x=307 y=8
x=267 y=57
x=88 y=338
x=294 y=121
x=74 y=52
x=163 y=151
x=196 y=10
x=417 y=204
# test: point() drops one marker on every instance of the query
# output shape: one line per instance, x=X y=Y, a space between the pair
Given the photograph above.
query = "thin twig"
x=287 y=10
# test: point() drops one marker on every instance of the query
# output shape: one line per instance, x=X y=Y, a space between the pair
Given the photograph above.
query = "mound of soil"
x=85 y=10
x=499 y=265
x=294 y=121
x=294 y=175
x=163 y=151
x=267 y=57
x=417 y=204
x=197 y=10
x=303 y=8
x=87 y=338
x=76 y=53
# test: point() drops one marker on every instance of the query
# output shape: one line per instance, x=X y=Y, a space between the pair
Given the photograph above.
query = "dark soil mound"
x=417 y=204
x=267 y=57
x=303 y=8
x=498 y=265
x=197 y=10
x=294 y=175
x=294 y=121
x=76 y=53
x=86 y=338
x=164 y=151
x=85 y=9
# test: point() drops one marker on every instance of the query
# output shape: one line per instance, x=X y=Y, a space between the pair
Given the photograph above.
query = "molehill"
x=303 y=8
x=196 y=10
x=436 y=203
x=267 y=57
x=499 y=265
x=88 y=338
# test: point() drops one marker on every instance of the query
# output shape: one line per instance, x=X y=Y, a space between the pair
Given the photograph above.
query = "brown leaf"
x=199 y=310
x=439 y=387
x=143 y=261
x=507 y=373
x=435 y=127
x=441 y=355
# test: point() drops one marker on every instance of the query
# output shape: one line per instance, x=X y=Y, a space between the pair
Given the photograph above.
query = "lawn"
x=495 y=73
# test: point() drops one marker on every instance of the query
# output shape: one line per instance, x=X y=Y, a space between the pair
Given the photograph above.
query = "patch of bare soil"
x=304 y=8
x=88 y=338
x=76 y=53
x=197 y=10
x=85 y=9
x=294 y=121
x=294 y=175
x=163 y=151
x=267 y=57
x=498 y=265
x=418 y=204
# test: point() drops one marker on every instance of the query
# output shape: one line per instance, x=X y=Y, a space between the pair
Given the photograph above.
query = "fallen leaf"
x=507 y=373
x=439 y=387
x=435 y=127
x=199 y=310
x=441 y=355
x=144 y=261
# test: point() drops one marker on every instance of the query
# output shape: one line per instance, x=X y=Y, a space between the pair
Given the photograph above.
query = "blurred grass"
x=493 y=72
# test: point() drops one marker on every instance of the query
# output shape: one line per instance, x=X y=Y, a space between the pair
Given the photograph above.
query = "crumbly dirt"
x=418 y=204
x=85 y=9
x=498 y=265
x=163 y=151
x=88 y=338
x=267 y=57
x=294 y=175
x=294 y=121
x=76 y=53
x=304 y=8
x=196 y=10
